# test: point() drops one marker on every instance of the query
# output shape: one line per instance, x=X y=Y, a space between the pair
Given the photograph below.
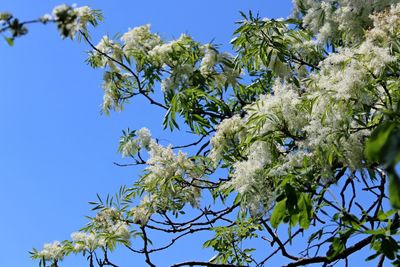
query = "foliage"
x=303 y=121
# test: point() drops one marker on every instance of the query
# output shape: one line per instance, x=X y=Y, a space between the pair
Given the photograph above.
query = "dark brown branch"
x=284 y=244
x=381 y=191
x=219 y=216
x=194 y=143
x=191 y=231
x=133 y=250
x=129 y=164
x=278 y=241
x=381 y=261
x=9 y=26
x=204 y=263
x=145 y=247
x=320 y=259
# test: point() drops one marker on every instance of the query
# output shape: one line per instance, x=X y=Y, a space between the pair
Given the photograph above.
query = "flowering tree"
x=299 y=129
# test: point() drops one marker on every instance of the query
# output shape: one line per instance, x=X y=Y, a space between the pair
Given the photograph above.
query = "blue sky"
x=57 y=150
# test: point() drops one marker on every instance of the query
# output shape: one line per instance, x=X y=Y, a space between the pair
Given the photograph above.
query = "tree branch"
x=140 y=88
x=320 y=259
x=204 y=263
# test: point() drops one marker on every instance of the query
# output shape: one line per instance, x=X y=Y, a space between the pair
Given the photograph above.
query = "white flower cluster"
x=133 y=145
x=165 y=55
x=60 y=10
x=341 y=89
x=279 y=112
x=281 y=109
x=111 y=97
x=141 y=213
x=46 y=18
x=69 y=19
x=228 y=74
x=162 y=54
x=290 y=163
x=209 y=60
x=108 y=225
x=110 y=222
x=289 y=131
x=86 y=241
x=52 y=251
x=84 y=14
x=163 y=162
x=164 y=183
x=166 y=180
x=175 y=62
x=332 y=19
x=386 y=25
x=179 y=77
x=228 y=134
x=109 y=48
x=143 y=137
x=245 y=172
x=140 y=39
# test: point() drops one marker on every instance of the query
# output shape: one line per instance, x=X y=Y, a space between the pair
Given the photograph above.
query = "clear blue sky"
x=57 y=151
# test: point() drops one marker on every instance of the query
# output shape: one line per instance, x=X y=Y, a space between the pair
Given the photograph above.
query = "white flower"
x=165 y=177
x=109 y=48
x=140 y=39
x=376 y=58
x=83 y=12
x=289 y=163
x=70 y=20
x=87 y=241
x=228 y=74
x=180 y=76
x=279 y=110
x=386 y=24
x=168 y=84
x=209 y=60
x=141 y=213
x=244 y=174
x=143 y=137
x=121 y=231
x=347 y=19
x=133 y=145
x=161 y=53
x=108 y=222
x=228 y=133
x=46 y=18
x=60 y=9
x=163 y=163
x=52 y=251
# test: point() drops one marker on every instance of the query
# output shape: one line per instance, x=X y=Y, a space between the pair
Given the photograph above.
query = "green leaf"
x=291 y=196
x=385 y=215
x=279 y=213
x=337 y=246
x=9 y=40
x=389 y=247
x=305 y=214
x=375 y=149
x=373 y=256
x=394 y=189
x=316 y=235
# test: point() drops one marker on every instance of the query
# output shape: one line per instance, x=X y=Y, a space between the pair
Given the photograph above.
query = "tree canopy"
x=297 y=129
